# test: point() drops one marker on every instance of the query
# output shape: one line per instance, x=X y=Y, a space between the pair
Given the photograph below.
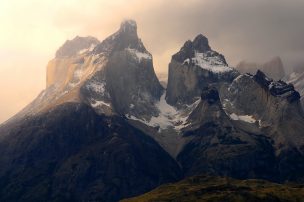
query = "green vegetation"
x=206 y=188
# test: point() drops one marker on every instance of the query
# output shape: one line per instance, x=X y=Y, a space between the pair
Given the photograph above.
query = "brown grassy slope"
x=205 y=188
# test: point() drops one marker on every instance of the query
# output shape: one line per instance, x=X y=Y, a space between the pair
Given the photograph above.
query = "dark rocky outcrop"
x=103 y=130
x=199 y=44
x=262 y=79
x=277 y=88
x=220 y=147
x=297 y=79
x=244 y=135
x=210 y=95
x=73 y=154
x=125 y=37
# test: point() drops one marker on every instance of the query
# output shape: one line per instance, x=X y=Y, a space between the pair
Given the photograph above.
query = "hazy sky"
x=32 y=30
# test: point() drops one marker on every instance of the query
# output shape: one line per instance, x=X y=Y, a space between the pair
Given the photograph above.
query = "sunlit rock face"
x=194 y=67
x=76 y=46
x=61 y=69
x=106 y=126
x=91 y=90
x=112 y=76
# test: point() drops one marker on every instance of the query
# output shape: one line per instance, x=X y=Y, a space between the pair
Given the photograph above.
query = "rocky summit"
x=105 y=129
x=194 y=67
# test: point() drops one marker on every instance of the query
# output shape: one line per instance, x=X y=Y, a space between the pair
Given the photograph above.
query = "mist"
x=32 y=30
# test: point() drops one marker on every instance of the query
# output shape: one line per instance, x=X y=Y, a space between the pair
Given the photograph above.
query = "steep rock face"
x=89 y=129
x=273 y=68
x=126 y=37
x=73 y=142
x=77 y=45
x=275 y=110
x=61 y=68
x=73 y=154
x=251 y=128
x=271 y=102
x=194 y=67
x=297 y=79
x=220 y=147
x=129 y=75
x=114 y=76
x=277 y=88
x=65 y=75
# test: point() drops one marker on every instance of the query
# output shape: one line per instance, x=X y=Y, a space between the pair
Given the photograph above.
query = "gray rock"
x=128 y=75
x=187 y=78
x=297 y=79
x=222 y=144
x=73 y=154
x=72 y=47
x=125 y=37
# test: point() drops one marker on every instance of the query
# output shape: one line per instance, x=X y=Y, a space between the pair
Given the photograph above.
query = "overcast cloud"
x=32 y=30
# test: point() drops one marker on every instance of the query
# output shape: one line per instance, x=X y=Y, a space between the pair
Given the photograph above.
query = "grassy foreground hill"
x=207 y=188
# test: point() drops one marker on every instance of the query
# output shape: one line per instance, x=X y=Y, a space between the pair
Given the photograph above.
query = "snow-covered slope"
x=209 y=61
x=168 y=116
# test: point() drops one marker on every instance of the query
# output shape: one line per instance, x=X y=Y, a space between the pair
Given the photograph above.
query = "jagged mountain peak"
x=210 y=119
x=201 y=43
x=277 y=88
x=76 y=45
x=125 y=38
x=128 y=26
x=194 y=67
x=97 y=75
x=199 y=46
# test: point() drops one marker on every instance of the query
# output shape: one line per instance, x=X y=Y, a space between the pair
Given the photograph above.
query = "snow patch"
x=169 y=117
x=187 y=61
x=245 y=118
x=99 y=103
x=97 y=87
x=238 y=78
x=139 y=55
x=211 y=63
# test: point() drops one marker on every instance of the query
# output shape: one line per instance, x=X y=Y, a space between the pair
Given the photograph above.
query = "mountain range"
x=273 y=68
x=105 y=128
